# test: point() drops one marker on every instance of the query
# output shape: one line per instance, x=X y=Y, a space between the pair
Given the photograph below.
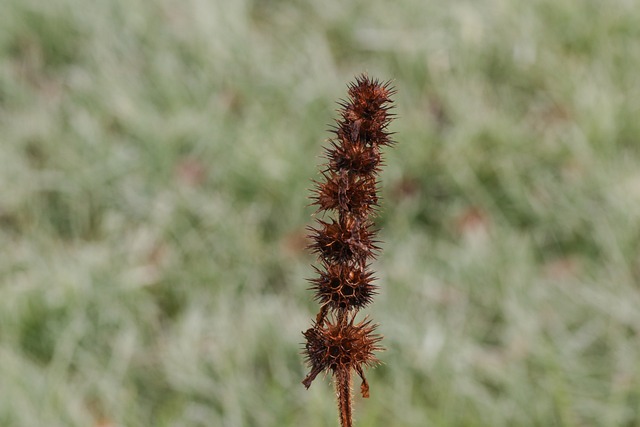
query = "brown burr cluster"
x=345 y=241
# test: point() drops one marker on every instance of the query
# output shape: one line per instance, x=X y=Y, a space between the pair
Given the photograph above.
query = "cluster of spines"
x=345 y=243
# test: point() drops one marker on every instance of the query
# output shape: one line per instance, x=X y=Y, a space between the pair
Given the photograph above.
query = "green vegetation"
x=154 y=165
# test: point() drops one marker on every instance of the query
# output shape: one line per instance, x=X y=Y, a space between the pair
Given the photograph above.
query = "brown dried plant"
x=345 y=244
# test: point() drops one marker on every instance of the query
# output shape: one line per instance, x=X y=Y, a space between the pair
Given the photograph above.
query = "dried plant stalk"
x=345 y=244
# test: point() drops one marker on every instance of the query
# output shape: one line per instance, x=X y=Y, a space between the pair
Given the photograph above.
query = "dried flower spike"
x=345 y=244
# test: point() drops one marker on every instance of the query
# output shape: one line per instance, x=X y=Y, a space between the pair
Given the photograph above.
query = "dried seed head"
x=345 y=243
x=340 y=346
x=365 y=116
x=344 y=286
x=345 y=240
x=348 y=193
x=356 y=157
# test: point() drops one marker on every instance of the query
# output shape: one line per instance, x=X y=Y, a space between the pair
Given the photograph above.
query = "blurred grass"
x=154 y=164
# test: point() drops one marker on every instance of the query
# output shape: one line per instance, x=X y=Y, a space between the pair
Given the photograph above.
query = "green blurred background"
x=155 y=160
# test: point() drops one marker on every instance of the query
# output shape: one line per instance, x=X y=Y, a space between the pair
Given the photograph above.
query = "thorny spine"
x=345 y=243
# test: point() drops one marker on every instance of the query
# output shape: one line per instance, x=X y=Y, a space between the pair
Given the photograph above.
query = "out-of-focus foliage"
x=155 y=158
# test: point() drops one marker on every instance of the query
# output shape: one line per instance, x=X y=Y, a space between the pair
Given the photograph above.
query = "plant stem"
x=343 y=392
